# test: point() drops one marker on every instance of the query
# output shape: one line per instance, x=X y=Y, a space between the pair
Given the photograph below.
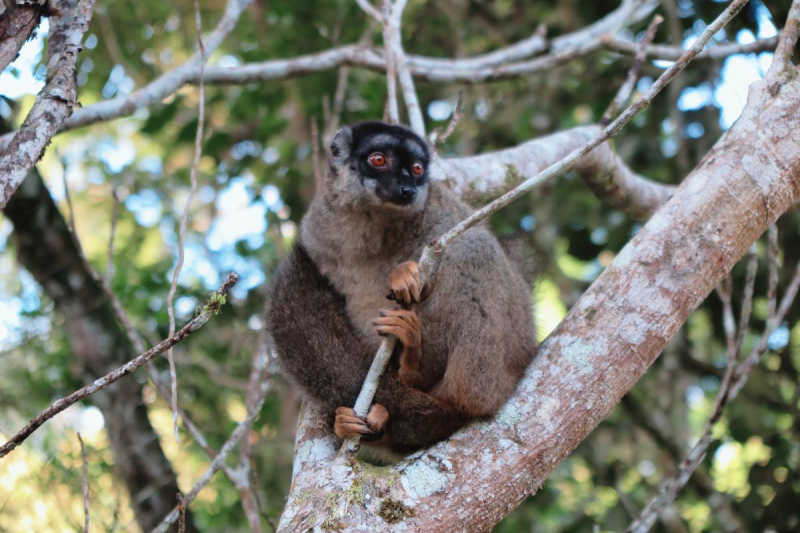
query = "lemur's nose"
x=407 y=192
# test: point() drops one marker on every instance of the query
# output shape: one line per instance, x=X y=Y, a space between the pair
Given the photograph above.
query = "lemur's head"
x=377 y=165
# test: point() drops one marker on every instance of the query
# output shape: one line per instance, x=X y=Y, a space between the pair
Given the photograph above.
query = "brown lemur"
x=461 y=350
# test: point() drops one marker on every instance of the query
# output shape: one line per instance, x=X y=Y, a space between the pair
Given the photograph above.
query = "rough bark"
x=46 y=249
x=16 y=26
x=605 y=344
x=69 y=20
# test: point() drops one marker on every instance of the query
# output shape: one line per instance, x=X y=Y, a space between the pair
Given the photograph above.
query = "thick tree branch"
x=670 y=488
x=487 y=175
x=16 y=26
x=211 y=308
x=69 y=20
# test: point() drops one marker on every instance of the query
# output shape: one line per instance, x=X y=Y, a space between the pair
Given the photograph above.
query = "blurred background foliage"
x=255 y=183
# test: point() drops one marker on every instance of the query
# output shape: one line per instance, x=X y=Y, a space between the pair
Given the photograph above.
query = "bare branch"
x=54 y=103
x=673 y=53
x=210 y=309
x=609 y=131
x=181 y=514
x=624 y=92
x=85 y=470
x=613 y=182
x=562 y=50
x=747 y=297
x=154 y=92
x=788 y=41
x=729 y=389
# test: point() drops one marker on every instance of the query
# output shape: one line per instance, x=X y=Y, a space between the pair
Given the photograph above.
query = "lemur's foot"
x=369 y=428
x=404 y=286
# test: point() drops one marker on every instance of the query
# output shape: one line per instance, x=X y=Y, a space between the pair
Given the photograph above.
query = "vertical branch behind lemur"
x=198 y=151
x=391 y=76
x=432 y=253
x=415 y=118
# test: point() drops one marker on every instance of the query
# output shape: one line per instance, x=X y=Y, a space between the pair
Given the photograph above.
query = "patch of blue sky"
x=146 y=206
x=22 y=77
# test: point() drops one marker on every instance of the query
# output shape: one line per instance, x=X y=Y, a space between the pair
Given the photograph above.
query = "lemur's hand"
x=405 y=325
x=404 y=286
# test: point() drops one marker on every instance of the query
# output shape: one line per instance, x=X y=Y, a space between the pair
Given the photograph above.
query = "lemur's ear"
x=342 y=143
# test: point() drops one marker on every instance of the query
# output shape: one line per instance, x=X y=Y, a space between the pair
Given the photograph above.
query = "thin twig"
x=774 y=264
x=437 y=137
x=181 y=514
x=211 y=308
x=626 y=89
x=672 y=53
x=198 y=152
x=747 y=297
x=432 y=254
x=85 y=470
x=109 y=272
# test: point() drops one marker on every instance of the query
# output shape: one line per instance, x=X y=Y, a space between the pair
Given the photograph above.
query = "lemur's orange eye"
x=417 y=169
x=377 y=160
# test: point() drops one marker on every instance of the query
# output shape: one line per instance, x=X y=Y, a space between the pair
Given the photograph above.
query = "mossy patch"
x=394 y=511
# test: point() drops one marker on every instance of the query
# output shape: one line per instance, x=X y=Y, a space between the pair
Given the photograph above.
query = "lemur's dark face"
x=390 y=164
